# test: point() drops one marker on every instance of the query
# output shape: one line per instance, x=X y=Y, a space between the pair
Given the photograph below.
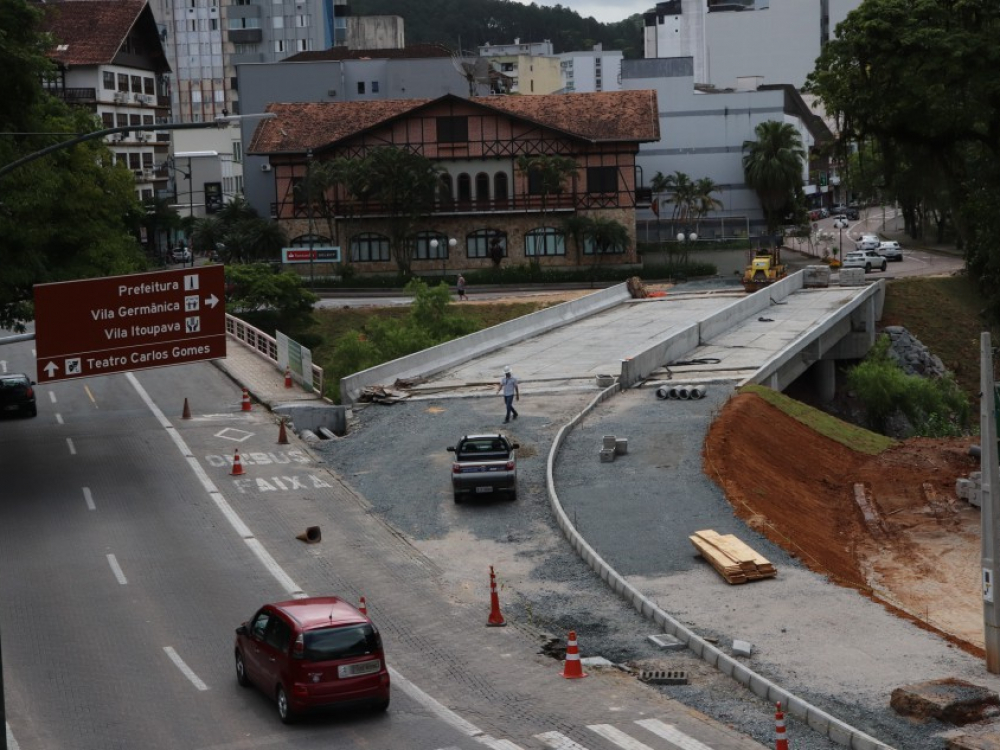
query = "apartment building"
x=109 y=59
x=532 y=67
x=777 y=40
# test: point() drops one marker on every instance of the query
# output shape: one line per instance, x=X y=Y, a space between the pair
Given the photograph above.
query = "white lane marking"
x=72 y=448
x=434 y=706
x=559 y=741
x=59 y=418
x=448 y=716
x=89 y=498
x=213 y=492
x=117 y=570
x=11 y=742
x=617 y=737
x=185 y=669
x=672 y=734
x=52 y=396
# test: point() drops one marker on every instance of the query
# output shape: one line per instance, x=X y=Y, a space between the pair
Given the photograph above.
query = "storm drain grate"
x=664 y=676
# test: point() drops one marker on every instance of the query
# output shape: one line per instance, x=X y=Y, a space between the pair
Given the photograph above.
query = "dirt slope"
x=797 y=487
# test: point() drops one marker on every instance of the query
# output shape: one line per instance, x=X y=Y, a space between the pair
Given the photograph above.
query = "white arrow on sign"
x=212 y=301
x=50 y=368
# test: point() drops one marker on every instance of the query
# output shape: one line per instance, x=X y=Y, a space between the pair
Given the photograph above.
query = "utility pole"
x=990 y=511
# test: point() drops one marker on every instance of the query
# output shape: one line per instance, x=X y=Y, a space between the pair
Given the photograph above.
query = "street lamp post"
x=452 y=244
x=841 y=224
x=685 y=240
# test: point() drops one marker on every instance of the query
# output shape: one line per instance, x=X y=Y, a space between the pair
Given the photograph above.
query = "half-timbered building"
x=484 y=201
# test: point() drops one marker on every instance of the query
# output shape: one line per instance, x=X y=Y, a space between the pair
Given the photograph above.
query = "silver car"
x=890 y=250
x=484 y=465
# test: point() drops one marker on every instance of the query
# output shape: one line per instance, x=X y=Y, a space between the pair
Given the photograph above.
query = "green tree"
x=772 y=166
x=399 y=182
x=270 y=299
x=546 y=175
x=244 y=236
x=70 y=214
x=681 y=193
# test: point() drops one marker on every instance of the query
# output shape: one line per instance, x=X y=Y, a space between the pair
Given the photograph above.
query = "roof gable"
x=611 y=116
x=96 y=32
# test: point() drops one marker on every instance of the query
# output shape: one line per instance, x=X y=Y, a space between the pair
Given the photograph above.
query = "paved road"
x=129 y=552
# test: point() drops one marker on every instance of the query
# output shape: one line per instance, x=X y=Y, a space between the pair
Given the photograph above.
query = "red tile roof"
x=92 y=31
x=609 y=116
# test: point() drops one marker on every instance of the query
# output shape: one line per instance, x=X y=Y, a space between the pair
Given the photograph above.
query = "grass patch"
x=854 y=437
x=943 y=313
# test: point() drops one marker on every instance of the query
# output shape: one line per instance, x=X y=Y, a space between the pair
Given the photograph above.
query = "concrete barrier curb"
x=819 y=720
x=451 y=353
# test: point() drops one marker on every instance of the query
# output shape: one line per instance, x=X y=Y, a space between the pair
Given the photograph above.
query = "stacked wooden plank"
x=734 y=560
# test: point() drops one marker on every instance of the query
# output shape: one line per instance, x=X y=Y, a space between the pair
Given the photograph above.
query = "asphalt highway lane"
x=129 y=553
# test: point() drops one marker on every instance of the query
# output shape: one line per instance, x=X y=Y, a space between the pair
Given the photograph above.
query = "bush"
x=934 y=407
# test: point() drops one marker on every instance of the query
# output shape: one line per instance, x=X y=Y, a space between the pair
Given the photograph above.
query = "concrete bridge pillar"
x=825 y=379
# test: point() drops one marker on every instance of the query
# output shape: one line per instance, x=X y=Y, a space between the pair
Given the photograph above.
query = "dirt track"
x=798 y=488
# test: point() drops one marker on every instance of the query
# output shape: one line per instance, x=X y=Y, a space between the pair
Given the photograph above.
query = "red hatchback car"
x=312 y=653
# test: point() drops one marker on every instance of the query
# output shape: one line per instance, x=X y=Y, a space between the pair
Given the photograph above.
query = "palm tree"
x=682 y=195
x=546 y=174
x=772 y=166
x=703 y=201
x=608 y=236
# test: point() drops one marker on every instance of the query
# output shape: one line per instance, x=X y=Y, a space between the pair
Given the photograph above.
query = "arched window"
x=424 y=249
x=544 y=241
x=369 y=248
x=445 y=194
x=482 y=188
x=305 y=240
x=464 y=187
x=591 y=248
x=479 y=244
x=500 y=189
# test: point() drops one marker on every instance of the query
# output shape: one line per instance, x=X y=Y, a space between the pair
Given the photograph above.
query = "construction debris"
x=873 y=520
x=377 y=394
x=731 y=558
x=636 y=288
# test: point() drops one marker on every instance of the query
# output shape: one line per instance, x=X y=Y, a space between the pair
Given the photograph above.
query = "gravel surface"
x=395 y=456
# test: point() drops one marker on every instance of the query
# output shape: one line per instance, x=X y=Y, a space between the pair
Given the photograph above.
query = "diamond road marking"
x=231 y=433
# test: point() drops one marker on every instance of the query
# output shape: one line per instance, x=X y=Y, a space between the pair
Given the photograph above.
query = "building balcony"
x=245 y=36
x=553 y=204
x=75 y=96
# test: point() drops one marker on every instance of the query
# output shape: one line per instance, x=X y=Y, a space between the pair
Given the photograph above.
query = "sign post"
x=101 y=326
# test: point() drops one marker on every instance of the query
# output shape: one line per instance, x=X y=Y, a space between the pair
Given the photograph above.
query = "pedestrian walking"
x=461 y=287
x=509 y=386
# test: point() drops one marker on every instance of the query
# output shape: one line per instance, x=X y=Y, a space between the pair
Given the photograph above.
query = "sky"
x=605 y=11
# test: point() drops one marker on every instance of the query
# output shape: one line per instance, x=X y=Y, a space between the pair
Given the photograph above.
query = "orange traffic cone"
x=363 y=607
x=282 y=434
x=780 y=741
x=572 y=669
x=186 y=414
x=246 y=400
x=288 y=377
x=495 y=619
x=237 y=465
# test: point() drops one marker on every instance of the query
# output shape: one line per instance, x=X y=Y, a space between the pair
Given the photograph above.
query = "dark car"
x=484 y=465
x=312 y=653
x=17 y=395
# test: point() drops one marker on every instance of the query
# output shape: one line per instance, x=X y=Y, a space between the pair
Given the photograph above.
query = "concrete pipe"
x=662 y=392
x=672 y=393
x=684 y=392
x=698 y=391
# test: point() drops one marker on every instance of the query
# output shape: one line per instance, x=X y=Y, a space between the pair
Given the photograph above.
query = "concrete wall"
x=451 y=353
x=641 y=364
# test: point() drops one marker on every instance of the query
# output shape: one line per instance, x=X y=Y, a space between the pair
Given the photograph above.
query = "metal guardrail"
x=266 y=346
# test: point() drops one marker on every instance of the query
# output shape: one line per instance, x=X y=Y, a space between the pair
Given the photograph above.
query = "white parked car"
x=890 y=250
x=866 y=259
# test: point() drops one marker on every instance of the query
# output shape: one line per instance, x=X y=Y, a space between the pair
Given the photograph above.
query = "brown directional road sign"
x=100 y=326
